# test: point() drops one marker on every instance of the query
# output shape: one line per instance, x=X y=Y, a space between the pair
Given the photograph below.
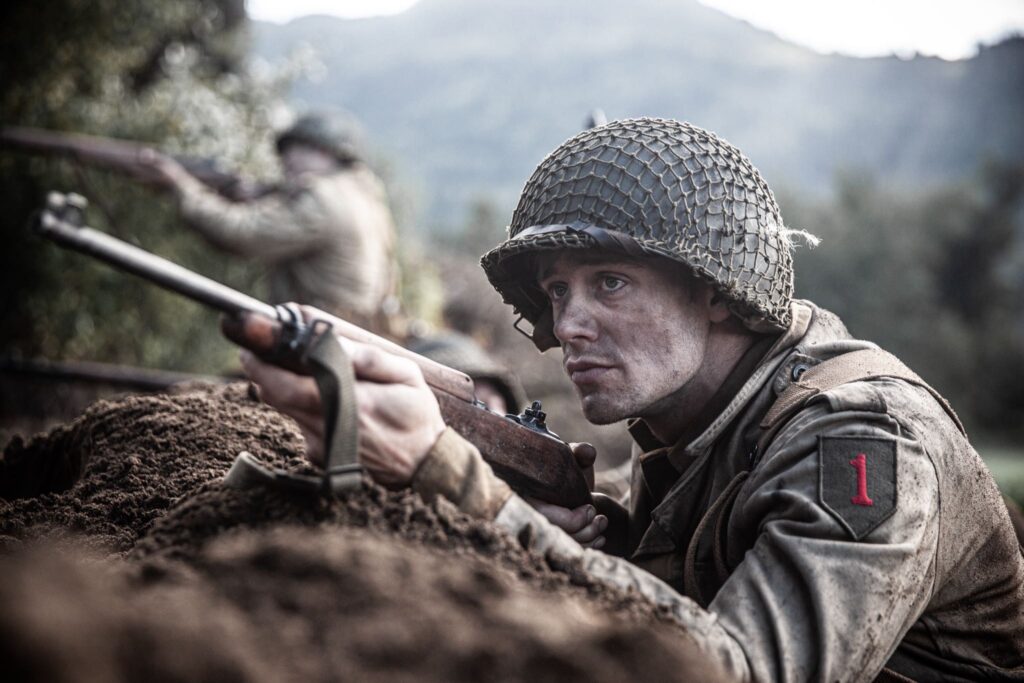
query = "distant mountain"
x=468 y=96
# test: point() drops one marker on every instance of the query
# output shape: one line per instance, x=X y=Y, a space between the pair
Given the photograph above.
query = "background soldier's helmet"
x=651 y=187
x=336 y=133
x=465 y=355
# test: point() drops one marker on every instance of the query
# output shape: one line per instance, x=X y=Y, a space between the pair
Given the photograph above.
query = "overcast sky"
x=946 y=28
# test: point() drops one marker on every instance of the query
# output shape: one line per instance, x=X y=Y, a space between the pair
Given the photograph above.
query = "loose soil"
x=125 y=558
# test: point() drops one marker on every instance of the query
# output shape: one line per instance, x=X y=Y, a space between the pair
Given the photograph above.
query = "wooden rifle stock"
x=534 y=462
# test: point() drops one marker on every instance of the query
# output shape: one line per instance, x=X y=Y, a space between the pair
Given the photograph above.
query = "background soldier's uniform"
x=329 y=239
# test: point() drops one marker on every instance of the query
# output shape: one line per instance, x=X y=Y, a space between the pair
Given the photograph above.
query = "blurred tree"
x=56 y=53
x=165 y=72
x=935 y=277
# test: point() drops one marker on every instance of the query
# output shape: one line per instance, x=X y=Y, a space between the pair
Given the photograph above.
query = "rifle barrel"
x=535 y=464
x=151 y=267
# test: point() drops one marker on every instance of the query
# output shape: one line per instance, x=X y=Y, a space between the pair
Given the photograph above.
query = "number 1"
x=860 y=463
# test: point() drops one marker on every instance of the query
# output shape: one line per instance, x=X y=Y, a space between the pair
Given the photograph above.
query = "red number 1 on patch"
x=860 y=463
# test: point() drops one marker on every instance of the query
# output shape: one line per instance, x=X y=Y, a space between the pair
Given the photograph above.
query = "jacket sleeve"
x=274 y=227
x=809 y=601
x=455 y=469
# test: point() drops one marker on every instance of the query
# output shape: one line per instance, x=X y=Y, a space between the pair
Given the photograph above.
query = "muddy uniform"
x=328 y=238
x=817 y=538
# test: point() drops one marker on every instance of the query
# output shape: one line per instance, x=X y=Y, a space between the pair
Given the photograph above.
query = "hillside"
x=466 y=97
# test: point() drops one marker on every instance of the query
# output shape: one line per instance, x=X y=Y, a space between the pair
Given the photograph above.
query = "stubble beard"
x=608 y=406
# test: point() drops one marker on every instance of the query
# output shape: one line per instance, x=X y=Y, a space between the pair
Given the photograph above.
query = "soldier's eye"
x=557 y=290
x=611 y=283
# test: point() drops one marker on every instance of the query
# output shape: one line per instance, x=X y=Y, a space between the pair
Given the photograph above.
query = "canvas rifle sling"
x=332 y=371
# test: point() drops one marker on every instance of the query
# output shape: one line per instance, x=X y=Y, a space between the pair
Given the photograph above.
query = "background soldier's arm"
x=273 y=227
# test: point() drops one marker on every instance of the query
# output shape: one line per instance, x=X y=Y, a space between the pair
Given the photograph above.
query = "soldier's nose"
x=572 y=322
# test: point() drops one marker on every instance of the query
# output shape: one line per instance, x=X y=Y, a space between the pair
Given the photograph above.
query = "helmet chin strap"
x=542 y=335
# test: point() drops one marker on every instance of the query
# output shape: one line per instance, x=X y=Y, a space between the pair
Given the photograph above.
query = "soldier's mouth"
x=586 y=372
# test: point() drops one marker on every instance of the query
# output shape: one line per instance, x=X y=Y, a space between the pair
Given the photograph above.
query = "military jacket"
x=861 y=533
x=868 y=531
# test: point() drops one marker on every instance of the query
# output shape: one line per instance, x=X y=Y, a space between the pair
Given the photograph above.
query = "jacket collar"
x=676 y=513
x=803 y=312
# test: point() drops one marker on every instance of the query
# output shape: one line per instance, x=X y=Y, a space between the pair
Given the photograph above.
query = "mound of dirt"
x=183 y=579
x=111 y=472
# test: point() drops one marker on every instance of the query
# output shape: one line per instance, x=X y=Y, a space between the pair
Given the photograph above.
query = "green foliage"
x=57 y=53
x=935 y=277
x=90 y=67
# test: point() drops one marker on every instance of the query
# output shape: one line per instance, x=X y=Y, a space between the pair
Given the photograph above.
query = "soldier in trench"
x=326 y=234
x=806 y=505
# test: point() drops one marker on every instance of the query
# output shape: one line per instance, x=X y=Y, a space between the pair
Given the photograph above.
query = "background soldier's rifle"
x=519 y=448
x=124 y=156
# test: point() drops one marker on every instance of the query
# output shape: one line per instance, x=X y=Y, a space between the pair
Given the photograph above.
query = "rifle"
x=123 y=156
x=520 y=449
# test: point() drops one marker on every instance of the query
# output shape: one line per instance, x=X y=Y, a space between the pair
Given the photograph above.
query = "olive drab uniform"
x=856 y=521
x=825 y=517
x=328 y=239
x=787 y=554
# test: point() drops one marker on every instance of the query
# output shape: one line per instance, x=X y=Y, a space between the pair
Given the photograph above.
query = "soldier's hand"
x=399 y=419
x=584 y=523
x=398 y=416
x=585 y=455
x=294 y=395
x=165 y=170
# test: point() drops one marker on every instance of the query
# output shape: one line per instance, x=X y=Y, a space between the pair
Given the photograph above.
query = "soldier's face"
x=633 y=332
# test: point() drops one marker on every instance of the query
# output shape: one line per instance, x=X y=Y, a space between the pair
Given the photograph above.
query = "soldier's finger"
x=568 y=520
x=314 y=446
x=584 y=453
x=374 y=365
x=311 y=422
x=591 y=531
x=310 y=313
x=280 y=388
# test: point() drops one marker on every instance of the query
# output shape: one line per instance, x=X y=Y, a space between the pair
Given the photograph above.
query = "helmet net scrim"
x=660 y=188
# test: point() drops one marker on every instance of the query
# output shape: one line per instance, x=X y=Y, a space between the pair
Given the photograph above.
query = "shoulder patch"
x=857 y=480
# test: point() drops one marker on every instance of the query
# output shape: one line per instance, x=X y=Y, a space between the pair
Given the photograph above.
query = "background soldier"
x=808 y=507
x=326 y=233
x=493 y=383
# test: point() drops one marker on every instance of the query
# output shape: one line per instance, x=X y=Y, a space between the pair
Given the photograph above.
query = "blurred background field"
x=910 y=168
x=1007 y=466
